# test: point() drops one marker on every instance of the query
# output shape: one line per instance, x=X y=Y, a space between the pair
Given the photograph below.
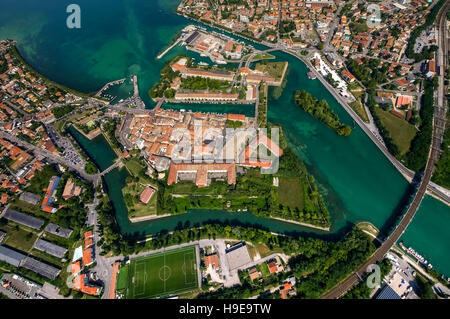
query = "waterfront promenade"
x=433 y=189
x=434 y=154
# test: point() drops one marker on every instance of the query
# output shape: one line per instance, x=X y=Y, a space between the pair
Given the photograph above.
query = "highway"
x=434 y=154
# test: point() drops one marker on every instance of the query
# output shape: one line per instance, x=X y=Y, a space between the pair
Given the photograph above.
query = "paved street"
x=50 y=156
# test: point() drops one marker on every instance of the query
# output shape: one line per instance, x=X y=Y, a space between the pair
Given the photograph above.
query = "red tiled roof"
x=236 y=117
x=202 y=172
x=4 y=198
x=272 y=267
x=212 y=260
x=146 y=195
x=76 y=268
x=403 y=100
x=87 y=256
x=88 y=240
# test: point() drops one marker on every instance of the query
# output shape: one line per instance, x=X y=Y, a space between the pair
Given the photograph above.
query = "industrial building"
x=50 y=248
x=23 y=219
x=58 y=231
x=10 y=256
x=238 y=256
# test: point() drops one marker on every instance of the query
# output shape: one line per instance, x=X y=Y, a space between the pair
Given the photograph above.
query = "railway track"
x=439 y=122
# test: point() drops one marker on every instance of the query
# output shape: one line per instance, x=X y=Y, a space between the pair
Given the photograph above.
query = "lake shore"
x=145 y=218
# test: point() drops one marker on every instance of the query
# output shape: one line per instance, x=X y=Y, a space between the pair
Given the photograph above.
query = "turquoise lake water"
x=119 y=38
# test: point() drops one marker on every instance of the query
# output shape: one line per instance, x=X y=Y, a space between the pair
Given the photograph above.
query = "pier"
x=107 y=85
x=168 y=49
x=135 y=85
x=135 y=100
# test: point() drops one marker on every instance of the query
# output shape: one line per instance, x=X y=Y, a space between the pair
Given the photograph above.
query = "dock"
x=135 y=85
x=107 y=85
x=311 y=75
x=168 y=49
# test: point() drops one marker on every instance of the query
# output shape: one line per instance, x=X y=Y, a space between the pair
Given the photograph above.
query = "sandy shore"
x=300 y=223
x=145 y=218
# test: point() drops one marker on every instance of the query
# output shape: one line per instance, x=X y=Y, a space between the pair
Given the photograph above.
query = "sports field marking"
x=164 y=263
x=164 y=273
x=169 y=268
x=141 y=277
x=186 y=266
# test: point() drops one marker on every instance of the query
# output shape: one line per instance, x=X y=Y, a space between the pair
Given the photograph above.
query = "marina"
x=416 y=255
x=352 y=191
x=108 y=85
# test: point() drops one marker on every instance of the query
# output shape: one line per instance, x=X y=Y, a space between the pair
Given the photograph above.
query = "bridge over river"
x=434 y=154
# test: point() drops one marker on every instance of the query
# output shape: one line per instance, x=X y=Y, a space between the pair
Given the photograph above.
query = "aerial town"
x=200 y=182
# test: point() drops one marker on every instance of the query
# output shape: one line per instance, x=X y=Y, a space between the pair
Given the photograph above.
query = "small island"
x=322 y=111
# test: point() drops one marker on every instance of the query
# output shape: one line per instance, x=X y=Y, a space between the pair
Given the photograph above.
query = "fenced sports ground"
x=160 y=275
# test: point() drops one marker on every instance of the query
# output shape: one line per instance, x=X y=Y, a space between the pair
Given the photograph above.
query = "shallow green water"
x=428 y=233
x=98 y=149
x=122 y=37
x=246 y=109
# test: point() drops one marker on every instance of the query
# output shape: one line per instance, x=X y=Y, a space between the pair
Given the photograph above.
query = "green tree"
x=90 y=168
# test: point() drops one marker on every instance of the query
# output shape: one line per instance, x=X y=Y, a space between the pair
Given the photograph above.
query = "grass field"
x=401 y=131
x=135 y=207
x=19 y=239
x=274 y=69
x=161 y=275
x=360 y=110
x=122 y=278
x=261 y=56
x=290 y=193
x=262 y=250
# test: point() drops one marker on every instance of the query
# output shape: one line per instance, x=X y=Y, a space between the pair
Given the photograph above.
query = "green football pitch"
x=162 y=274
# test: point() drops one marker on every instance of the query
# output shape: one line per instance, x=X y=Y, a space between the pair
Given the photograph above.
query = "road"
x=68 y=150
x=434 y=154
x=52 y=157
x=121 y=108
x=103 y=268
x=109 y=169
x=440 y=192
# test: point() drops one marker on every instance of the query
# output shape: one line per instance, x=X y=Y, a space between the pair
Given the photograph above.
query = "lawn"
x=274 y=69
x=360 y=110
x=136 y=208
x=47 y=257
x=41 y=180
x=134 y=166
x=162 y=274
x=265 y=270
x=291 y=193
x=133 y=190
x=122 y=279
x=187 y=188
x=357 y=91
x=25 y=207
x=401 y=131
x=262 y=250
x=261 y=56
x=19 y=239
